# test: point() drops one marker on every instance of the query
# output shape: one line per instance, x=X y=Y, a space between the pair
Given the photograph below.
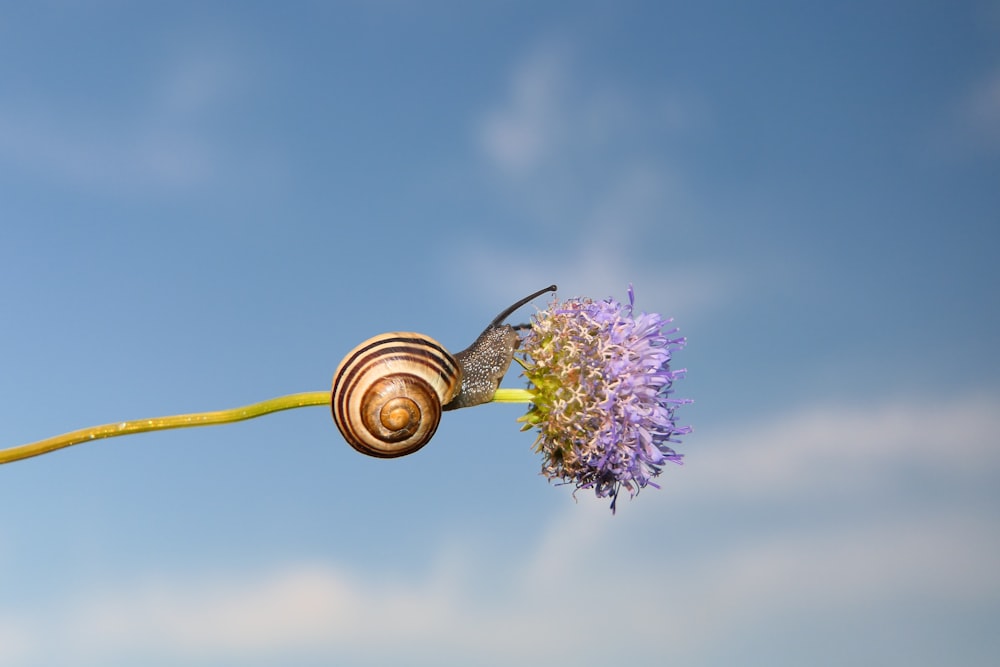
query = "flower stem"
x=288 y=402
x=514 y=396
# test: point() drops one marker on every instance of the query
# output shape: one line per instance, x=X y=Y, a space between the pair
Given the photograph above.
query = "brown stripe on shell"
x=404 y=375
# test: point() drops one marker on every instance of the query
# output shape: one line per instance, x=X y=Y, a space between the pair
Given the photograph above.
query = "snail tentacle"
x=485 y=362
x=389 y=391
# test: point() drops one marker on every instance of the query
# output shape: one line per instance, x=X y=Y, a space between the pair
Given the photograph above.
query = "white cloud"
x=981 y=110
x=158 y=139
x=596 y=266
x=16 y=641
x=559 y=136
x=555 y=115
x=847 y=450
x=583 y=159
x=653 y=588
x=856 y=573
x=105 y=159
x=527 y=127
x=296 y=608
x=972 y=126
x=199 y=80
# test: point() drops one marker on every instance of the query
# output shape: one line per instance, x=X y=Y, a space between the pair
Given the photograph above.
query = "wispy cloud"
x=972 y=124
x=583 y=159
x=981 y=111
x=528 y=127
x=18 y=638
x=292 y=609
x=564 y=142
x=555 y=116
x=529 y=610
x=140 y=158
x=597 y=265
x=157 y=139
x=847 y=450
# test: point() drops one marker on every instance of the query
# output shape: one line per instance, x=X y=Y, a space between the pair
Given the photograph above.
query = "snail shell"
x=389 y=390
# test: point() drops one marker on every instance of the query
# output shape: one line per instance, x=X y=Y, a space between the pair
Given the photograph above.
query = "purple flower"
x=601 y=380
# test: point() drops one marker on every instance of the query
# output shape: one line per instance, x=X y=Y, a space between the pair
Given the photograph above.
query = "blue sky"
x=205 y=205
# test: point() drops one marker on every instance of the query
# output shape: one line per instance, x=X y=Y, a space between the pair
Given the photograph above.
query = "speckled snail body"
x=388 y=392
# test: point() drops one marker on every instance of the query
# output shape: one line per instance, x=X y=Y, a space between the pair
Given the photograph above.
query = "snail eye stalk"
x=600 y=393
x=378 y=415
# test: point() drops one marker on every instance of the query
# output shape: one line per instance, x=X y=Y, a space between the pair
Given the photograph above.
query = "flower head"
x=601 y=380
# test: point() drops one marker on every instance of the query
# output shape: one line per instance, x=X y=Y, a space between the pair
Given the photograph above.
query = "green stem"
x=514 y=396
x=163 y=423
x=289 y=402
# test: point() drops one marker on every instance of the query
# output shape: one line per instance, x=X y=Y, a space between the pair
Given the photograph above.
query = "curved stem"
x=288 y=402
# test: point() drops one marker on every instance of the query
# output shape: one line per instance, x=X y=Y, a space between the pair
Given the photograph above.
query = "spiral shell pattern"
x=388 y=392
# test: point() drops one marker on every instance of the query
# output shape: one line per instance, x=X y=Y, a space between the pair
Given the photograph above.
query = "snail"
x=389 y=391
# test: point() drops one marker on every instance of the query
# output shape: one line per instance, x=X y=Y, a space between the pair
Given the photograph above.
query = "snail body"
x=388 y=392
